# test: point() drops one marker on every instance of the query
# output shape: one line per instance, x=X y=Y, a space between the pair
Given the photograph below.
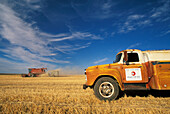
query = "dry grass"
x=65 y=95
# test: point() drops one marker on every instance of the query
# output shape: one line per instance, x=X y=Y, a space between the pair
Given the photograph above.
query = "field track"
x=65 y=95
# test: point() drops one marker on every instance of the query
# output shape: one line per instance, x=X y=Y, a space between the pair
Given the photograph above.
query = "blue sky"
x=75 y=34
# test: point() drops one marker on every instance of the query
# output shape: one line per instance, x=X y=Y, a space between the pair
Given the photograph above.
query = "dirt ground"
x=65 y=95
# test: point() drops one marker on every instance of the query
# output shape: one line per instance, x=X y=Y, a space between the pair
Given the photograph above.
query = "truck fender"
x=113 y=77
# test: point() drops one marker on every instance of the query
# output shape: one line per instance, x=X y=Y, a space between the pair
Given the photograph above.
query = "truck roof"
x=129 y=50
x=153 y=55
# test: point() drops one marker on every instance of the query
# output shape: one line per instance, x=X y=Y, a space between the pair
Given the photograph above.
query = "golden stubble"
x=65 y=95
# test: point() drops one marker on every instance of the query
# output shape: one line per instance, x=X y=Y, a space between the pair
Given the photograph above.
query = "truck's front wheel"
x=106 y=89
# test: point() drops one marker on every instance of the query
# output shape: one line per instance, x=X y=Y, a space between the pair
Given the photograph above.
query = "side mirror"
x=125 y=58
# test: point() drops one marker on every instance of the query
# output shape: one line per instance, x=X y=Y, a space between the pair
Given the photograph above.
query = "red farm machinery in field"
x=35 y=72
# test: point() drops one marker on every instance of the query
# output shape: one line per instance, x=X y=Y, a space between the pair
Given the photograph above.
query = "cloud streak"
x=66 y=49
x=161 y=10
x=76 y=35
x=104 y=9
x=133 y=22
x=135 y=17
x=31 y=46
x=134 y=45
x=100 y=61
x=19 y=33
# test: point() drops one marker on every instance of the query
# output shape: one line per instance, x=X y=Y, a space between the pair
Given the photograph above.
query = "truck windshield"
x=118 y=57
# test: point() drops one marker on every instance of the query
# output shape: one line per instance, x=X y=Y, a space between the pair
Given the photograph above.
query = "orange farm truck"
x=132 y=70
x=34 y=72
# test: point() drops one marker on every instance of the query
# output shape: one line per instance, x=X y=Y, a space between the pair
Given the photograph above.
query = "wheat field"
x=63 y=95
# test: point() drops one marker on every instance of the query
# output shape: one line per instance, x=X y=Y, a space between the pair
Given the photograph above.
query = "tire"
x=106 y=89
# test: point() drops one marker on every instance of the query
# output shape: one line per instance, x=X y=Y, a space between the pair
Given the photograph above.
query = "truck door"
x=134 y=71
x=163 y=73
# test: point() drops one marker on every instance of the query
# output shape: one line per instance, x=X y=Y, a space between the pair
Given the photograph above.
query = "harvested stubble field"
x=65 y=95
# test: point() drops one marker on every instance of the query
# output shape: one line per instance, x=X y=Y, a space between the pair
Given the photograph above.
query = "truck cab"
x=132 y=70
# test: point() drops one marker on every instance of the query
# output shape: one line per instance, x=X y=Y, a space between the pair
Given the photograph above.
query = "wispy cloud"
x=34 y=4
x=8 y=66
x=157 y=14
x=32 y=46
x=133 y=22
x=133 y=45
x=99 y=61
x=20 y=33
x=69 y=48
x=77 y=35
x=61 y=39
x=161 y=10
x=26 y=56
x=104 y=9
x=135 y=17
x=166 y=33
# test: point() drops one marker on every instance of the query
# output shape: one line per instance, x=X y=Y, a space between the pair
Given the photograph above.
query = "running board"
x=135 y=86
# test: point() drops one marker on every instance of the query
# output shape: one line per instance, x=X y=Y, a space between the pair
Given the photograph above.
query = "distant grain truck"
x=34 y=72
x=132 y=70
x=53 y=73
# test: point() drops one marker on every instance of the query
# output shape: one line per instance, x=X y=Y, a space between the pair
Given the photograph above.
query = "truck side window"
x=133 y=57
x=118 y=57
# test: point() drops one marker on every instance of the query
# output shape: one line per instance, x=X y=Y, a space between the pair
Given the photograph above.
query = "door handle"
x=139 y=66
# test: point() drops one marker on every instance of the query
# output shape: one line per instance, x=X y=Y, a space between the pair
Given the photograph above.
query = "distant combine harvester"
x=35 y=72
x=41 y=72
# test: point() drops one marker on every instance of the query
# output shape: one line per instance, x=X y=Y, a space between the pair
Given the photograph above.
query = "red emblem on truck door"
x=133 y=73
